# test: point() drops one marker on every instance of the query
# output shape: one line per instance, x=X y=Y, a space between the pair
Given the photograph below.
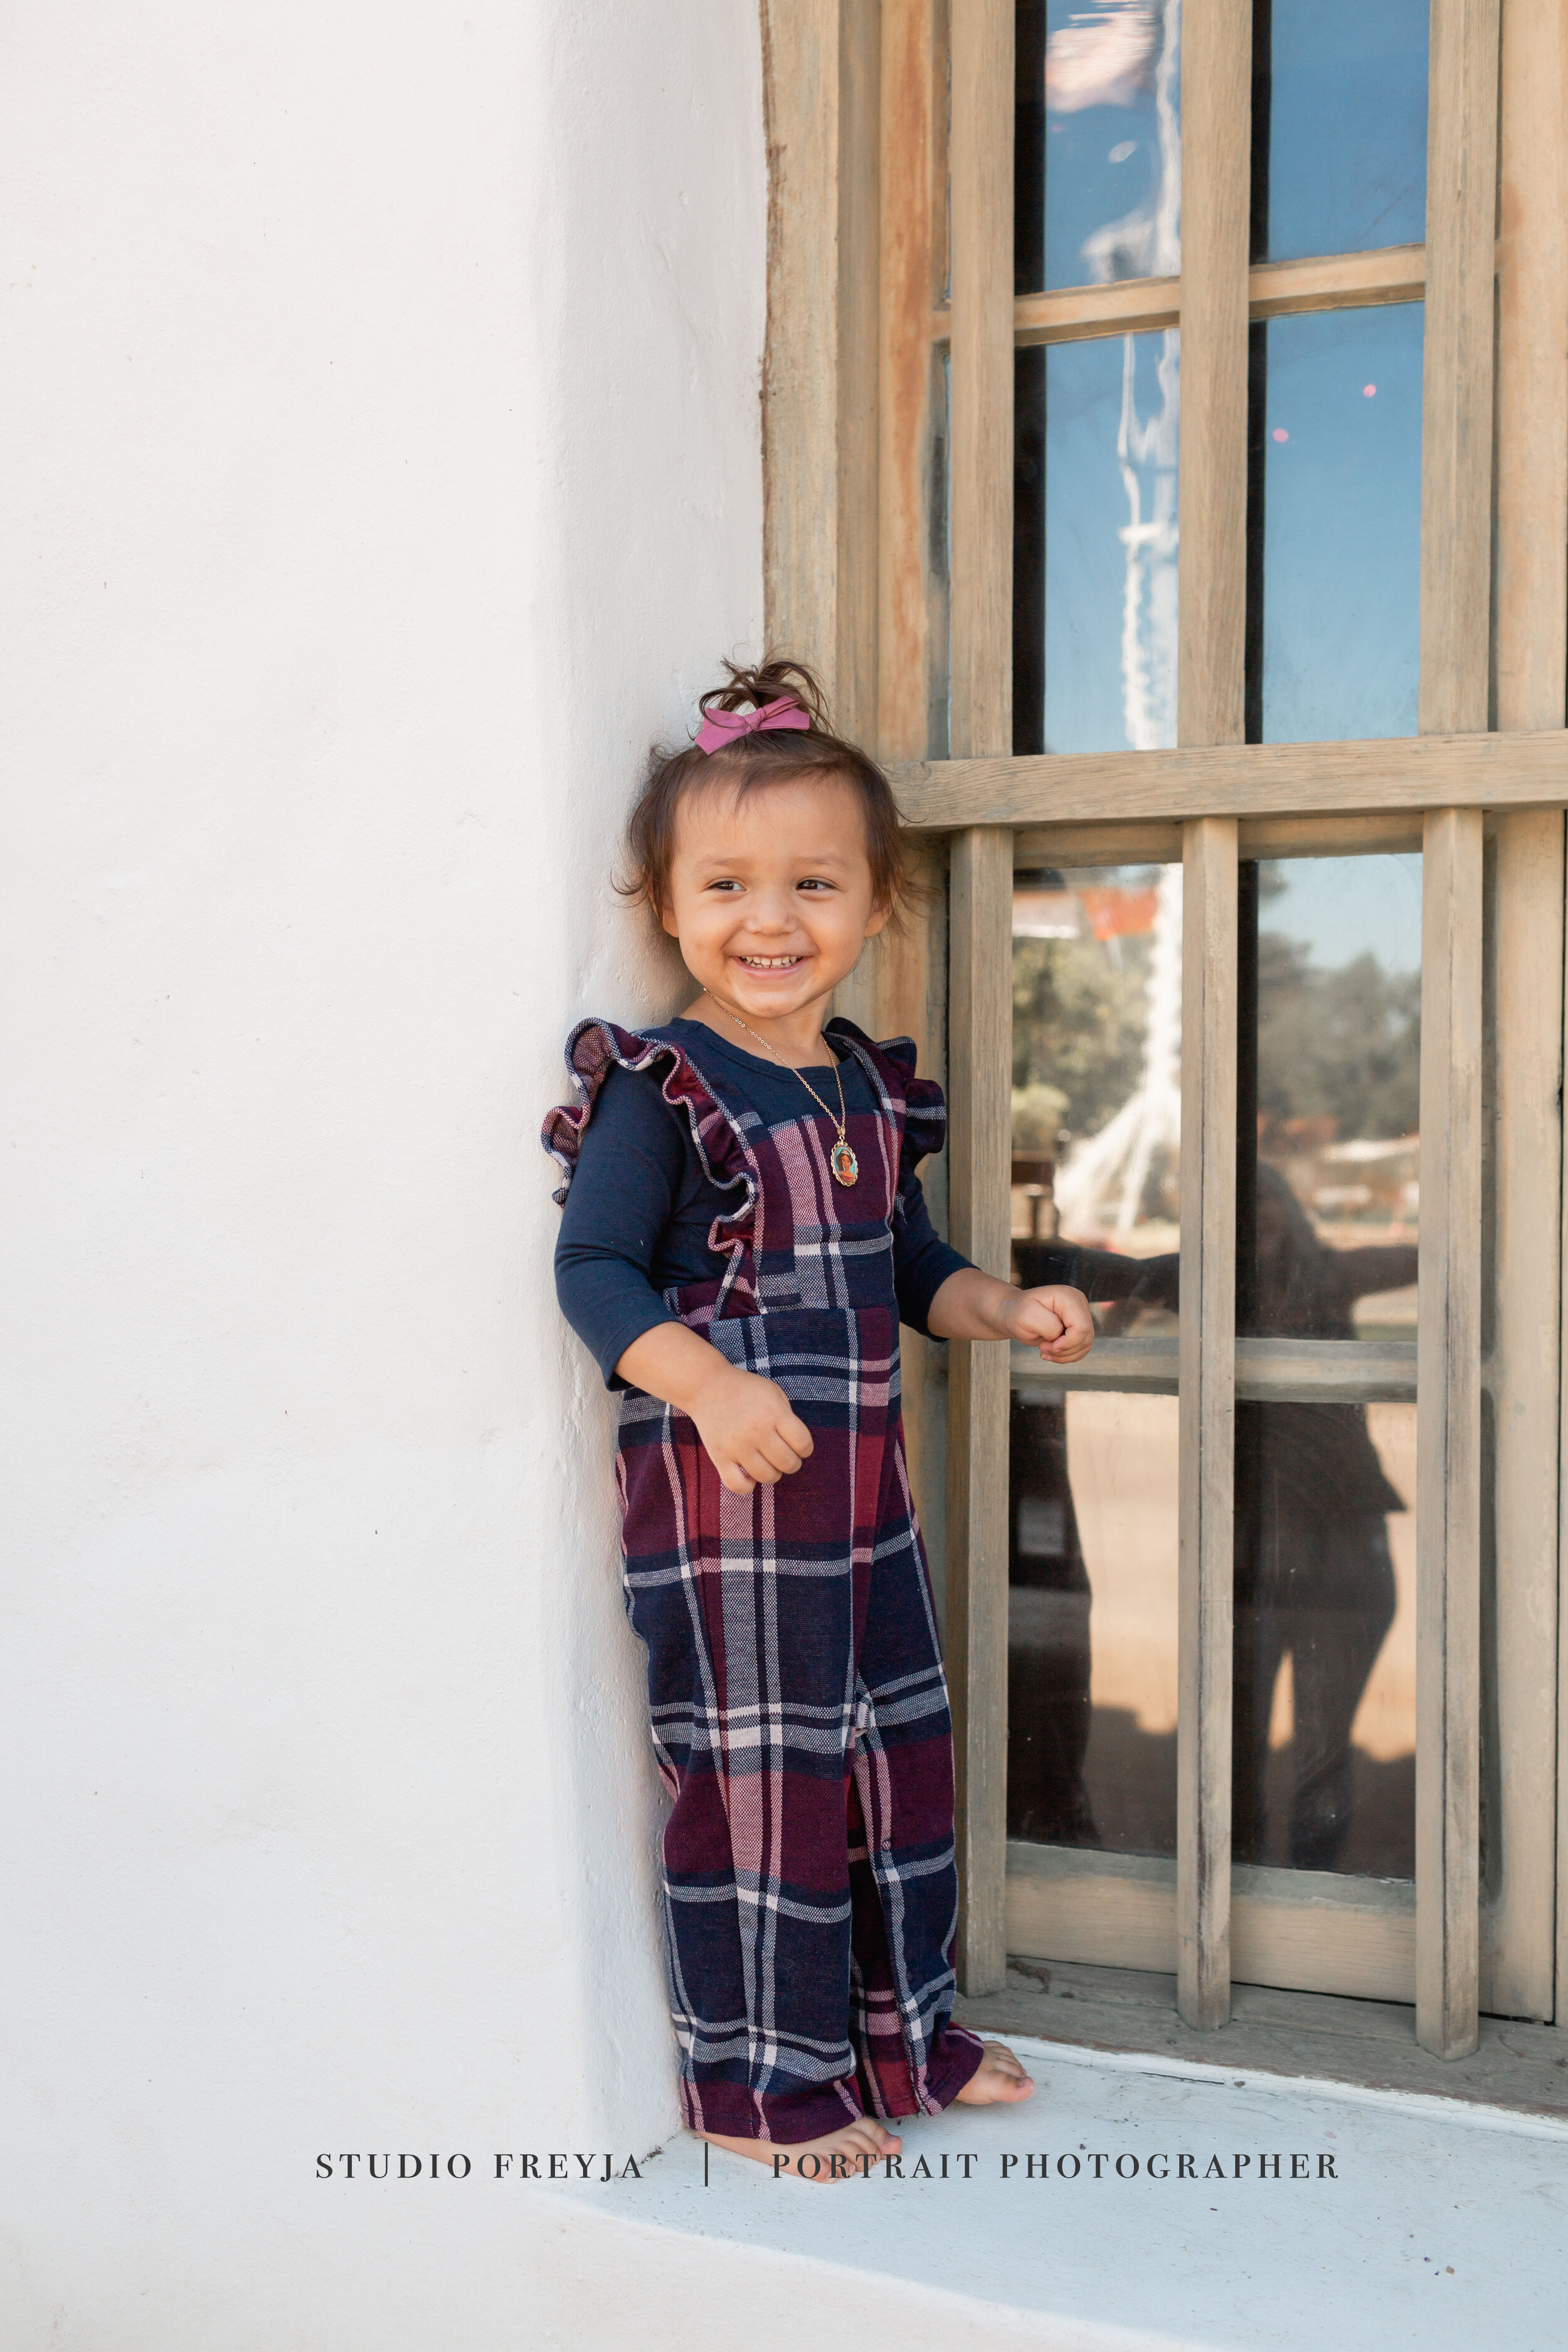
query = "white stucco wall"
x=381 y=464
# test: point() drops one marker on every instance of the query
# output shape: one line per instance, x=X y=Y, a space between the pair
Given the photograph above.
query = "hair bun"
x=773 y=677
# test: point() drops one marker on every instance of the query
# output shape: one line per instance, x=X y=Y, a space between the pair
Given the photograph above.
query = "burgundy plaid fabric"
x=799 y=1708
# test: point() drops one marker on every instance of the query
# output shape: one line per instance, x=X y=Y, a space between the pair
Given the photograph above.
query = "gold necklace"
x=841 y=1159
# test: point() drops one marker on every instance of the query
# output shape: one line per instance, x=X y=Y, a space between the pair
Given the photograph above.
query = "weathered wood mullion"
x=904 y=381
x=980 y=1029
x=982 y=496
x=1455 y=588
x=1531 y=600
x=1403 y=772
x=1217 y=116
x=981 y=1020
x=1448 y=1447
x=1217 y=42
x=1208 y=1420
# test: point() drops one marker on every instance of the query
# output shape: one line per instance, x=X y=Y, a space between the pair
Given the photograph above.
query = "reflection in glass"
x=1091 y=1735
x=1338 y=105
x=1097 y=152
x=1334 y=525
x=1096 y=959
x=1324 y=1726
x=1327 y=1085
x=1094 y=538
x=1097 y=1012
x=1328 y=1073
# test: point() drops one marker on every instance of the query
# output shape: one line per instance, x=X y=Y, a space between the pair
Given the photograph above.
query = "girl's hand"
x=752 y=1433
x=1058 y=1319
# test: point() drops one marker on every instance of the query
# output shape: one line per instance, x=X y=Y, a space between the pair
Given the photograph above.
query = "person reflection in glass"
x=1314 y=1579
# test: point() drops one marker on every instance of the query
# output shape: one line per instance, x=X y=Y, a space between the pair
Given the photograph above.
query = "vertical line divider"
x=1458 y=397
x=980 y=1029
x=1449 y=1440
x=982 y=445
x=1216 y=191
x=980 y=1077
x=1524 y=1892
x=1207 y=1418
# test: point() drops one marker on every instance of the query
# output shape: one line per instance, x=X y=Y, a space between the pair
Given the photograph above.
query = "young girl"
x=743 y=1233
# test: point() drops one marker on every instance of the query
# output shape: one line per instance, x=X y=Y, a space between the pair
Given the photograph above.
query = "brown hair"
x=750 y=763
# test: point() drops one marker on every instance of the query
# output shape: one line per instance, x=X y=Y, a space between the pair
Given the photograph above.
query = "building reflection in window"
x=1324 y=1724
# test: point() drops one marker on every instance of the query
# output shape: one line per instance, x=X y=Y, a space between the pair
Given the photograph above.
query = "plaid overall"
x=799 y=1708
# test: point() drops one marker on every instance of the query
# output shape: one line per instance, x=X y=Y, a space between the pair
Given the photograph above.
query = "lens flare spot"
x=1280 y=433
x=1369 y=392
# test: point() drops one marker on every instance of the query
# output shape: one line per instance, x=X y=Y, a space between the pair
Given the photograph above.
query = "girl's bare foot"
x=844 y=2154
x=999 y=2076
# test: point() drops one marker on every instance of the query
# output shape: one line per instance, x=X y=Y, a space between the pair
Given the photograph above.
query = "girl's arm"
x=751 y=1432
x=974 y=1305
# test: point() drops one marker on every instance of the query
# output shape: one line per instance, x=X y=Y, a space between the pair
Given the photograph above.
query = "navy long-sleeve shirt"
x=637 y=1217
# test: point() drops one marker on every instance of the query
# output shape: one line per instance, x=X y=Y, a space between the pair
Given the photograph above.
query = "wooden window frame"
x=866 y=136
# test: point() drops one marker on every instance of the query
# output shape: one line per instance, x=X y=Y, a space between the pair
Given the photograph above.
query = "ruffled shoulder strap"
x=591 y=1052
x=592 y=1049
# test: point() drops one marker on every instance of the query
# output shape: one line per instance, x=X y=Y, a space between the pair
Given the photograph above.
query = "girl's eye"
x=813 y=882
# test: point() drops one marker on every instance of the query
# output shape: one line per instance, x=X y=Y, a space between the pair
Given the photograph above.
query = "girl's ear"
x=668 y=921
x=876 y=920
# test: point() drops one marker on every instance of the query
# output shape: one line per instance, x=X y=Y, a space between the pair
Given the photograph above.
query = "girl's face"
x=770 y=895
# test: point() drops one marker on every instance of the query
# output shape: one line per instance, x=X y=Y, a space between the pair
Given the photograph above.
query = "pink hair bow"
x=722 y=727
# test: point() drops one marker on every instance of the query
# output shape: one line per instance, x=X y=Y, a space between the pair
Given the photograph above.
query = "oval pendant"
x=845 y=1166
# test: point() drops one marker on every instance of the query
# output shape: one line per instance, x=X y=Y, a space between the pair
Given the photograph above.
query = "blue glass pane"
x=1347 y=125
x=1340 y=476
x=1098 y=152
x=1095 y=578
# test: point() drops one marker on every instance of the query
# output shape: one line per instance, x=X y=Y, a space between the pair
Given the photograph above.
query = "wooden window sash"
x=1215 y=301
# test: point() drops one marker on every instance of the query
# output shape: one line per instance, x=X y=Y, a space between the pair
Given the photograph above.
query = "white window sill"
x=1441 y=2227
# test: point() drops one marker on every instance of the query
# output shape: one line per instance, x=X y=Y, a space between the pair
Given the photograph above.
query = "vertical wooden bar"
x=1216 y=139
x=1455 y=588
x=1525 y=1062
x=980 y=1036
x=860 y=325
x=1216 y=143
x=1531 y=578
x=1448 y=1449
x=1207 y=1440
x=908 y=273
x=980 y=1055
x=801 y=89
x=981 y=494
x=1531 y=600
x=1456 y=401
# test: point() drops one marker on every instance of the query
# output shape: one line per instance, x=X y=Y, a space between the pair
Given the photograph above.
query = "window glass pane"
x=1097 y=154
x=1339 y=125
x=1097 y=1085
x=1097 y=957
x=1324 y=1729
x=1334 y=525
x=1091 y=1623
x=1328 y=1081
x=1094 y=638
x=1327 y=1184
